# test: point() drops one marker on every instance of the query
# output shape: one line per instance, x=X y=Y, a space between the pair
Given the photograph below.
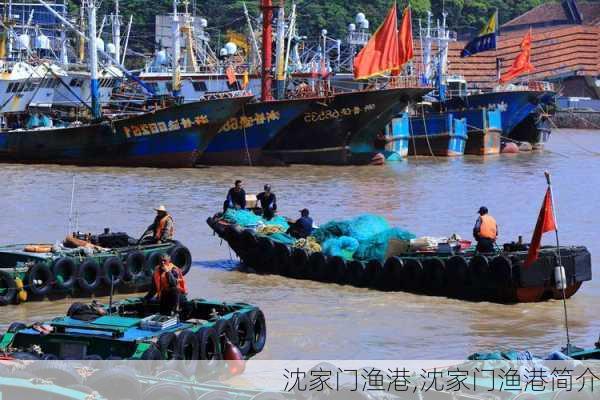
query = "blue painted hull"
x=438 y=135
x=171 y=137
x=241 y=140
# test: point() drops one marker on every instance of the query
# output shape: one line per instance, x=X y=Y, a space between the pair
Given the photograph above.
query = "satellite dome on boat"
x=365 y=24
x=360 y=17
x=161 y=57
x=42 y=42
x=111 y=49
x=223 y=52
x=231 y=48
x=351 y=27
x=203 y=23
x=324 y=32
x=100 y=44
x=23 y=42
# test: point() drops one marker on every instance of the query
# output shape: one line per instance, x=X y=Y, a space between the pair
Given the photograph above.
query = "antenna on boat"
x=70 y=227
x=559 y=271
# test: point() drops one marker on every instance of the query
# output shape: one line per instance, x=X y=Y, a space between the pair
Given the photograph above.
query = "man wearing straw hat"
x=162 y=228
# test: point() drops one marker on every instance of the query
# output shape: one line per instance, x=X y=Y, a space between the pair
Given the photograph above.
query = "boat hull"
x=241 y=140
x=169 y=138
x=327 y=133
x=481 y=143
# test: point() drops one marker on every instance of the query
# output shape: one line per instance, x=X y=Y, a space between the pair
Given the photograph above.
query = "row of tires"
x=416 y=274
x=65 y=274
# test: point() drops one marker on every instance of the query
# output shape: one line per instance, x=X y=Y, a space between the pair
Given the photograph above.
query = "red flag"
x=380 y=54
x=522 y=64
x=405 y=38
x=230 y=75
x=545 y=223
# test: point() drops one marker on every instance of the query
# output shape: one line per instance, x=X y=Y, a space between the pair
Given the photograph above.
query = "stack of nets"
x=247 y=219
x=309 y=244
x=365 y=237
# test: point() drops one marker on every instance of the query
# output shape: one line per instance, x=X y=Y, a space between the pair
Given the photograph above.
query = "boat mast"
x=116 y=31
x=93 y=50
x=267 y=43
x=279 y=51
x=252 y=37
x=176 y=80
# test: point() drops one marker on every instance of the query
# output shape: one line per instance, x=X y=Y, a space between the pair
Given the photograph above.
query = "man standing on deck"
x=162 y=228
x=268 y=202
x=236 y=197
x=168 y=284
x=485 y=231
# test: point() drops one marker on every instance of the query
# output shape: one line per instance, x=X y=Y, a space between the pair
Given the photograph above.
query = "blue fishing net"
x=282 y=238
x=279 y=221
x=245 y=218
x=371 y=232
x=343 y=246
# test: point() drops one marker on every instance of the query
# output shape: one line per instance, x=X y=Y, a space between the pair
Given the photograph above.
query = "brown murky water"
x=324 y=321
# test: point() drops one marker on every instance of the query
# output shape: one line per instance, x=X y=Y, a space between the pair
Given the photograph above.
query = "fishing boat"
x=83 y=265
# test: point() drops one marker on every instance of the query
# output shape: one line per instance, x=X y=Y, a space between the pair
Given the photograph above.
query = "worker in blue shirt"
x=303 y=226
x=268 y=202
x=236 y=197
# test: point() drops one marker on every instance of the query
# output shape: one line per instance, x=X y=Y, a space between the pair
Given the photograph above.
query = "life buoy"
x=412 y=275
x=317 y=263
x=65 y=273
x=355 y=273
x=434 y=274
x=40 y=279
x=134 y=266
x=88 y=275
x=181 y=257
x=7 y=283
x=299 y=263
x=113 y=270
x=282 y=260
x=244 y=331
x=392 y=272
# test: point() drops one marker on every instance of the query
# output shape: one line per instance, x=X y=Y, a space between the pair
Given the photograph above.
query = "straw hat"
x=161 y=208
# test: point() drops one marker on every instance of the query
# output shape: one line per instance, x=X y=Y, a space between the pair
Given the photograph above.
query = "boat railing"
x=226 y=95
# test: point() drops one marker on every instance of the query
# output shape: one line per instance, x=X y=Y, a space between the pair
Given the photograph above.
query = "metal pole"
x=93 y=50
x=116 y=25
x=267 y=50
x=559 y=262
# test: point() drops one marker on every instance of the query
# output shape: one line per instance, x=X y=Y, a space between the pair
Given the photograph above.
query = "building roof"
x=567 y=12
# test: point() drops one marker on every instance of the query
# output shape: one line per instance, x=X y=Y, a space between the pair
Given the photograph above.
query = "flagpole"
x=559 y=270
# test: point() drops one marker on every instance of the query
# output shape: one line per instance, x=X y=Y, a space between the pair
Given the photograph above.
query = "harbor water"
x=311 y=320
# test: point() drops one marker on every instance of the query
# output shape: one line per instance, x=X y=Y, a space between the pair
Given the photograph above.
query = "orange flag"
x=522 y=64
x=230 y=75
x=545 y=223
x=405 y=38
x=380 y=54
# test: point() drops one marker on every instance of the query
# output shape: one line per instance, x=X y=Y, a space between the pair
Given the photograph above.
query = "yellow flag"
x=490 y=27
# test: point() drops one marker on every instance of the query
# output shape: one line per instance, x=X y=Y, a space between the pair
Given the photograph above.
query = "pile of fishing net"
x=365 y=237
x=309 y=244
x=247 y=219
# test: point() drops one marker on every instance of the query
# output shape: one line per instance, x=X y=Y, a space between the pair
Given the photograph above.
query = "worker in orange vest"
x=485 y=231
x=162 y=228
x=168 y=284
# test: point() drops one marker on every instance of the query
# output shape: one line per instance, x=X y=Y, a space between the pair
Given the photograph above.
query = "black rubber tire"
x=181 y=256
x=267 y=261
x=40 y=272
x=501 y=270
x=412 y=275
x=317 y=267
x=392 y=271
x=225 y=328
x=380 y=281
x=89 y=276
x=15 y=327
x=479 y=271
x=152 y=353
x=59 y=372
x=134 y=266
x=188 y=352
x=65 y=268
x=457 y=273
x=8 y=283
x=113 y=269
x=116 y=382
x=434 y=274
x=244 y=331
x=152 y=262
x=336 y=269
x=167 y=390
x=373 y=271
x=355 y=273
x=282 y=260
x=209 y=344
x=259 y=326
x=167 y=345
x=299 y=264
x=251 y=255
x=234 y=237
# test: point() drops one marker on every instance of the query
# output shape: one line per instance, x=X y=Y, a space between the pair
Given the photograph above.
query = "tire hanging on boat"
x=282 y=260
x=259 y=327
x=113 y=271
x=7 y=283
x=373 y=271
x=152 y=262
x=412 y=275
x=225 y=329
x=457 y=273
x=209 y=344
x=152 y=353
x=188 y=352
x=355 y=273
x=167 y=345
x=244 y=331
x=134 y=266
x=181 y=257
x=501 y=271
x=266 y=250
x=299 y=263
x=434 y=274
x=89 y=277
x=317 y=263
x=65 y=273
x=392 y=271
x=479 y=271
x=40 y=279
x=336 y=270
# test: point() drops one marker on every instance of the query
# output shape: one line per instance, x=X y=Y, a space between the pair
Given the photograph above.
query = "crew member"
x=162 y=228
x=303 y=226
x=268 y=202
x=236 y=197
x=168 y=284
x=485 y=231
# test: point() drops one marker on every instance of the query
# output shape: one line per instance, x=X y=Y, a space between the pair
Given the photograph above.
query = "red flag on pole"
x=522 y=64
x=405 y=38
x=545 y=223
x=230 y=75
x=380 y=54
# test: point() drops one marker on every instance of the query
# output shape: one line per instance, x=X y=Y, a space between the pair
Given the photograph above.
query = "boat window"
x=76 y=82
x=199 y=86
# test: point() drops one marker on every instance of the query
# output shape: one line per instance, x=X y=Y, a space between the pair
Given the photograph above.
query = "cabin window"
x=76 y=82
x=199 y=86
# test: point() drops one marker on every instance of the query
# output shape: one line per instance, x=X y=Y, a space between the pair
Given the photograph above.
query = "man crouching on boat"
x=168 y=284
x=162 y=228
